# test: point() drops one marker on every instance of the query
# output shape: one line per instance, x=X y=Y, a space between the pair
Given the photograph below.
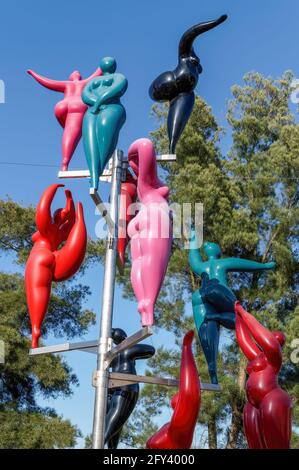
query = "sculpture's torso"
x=125 y=364
x=72 y=101
x=169 y=85
x=99 y=85
x=262 y=379
x=215 y=270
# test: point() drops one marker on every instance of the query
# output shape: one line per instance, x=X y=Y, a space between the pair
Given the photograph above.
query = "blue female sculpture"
x=104 y=117
x=213 y=303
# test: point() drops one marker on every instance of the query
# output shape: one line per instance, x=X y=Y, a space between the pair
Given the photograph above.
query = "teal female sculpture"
x=213 y=303
x=104 y=117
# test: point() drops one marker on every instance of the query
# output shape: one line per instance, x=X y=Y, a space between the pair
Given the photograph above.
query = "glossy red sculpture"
x=47 y=262
x=178 y=433
x=268 y=412
x=128 y=197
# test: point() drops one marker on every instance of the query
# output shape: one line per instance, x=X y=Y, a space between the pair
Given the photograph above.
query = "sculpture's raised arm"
x=43 y=216
x=95 y=74
x=142 y=351
x=70 y=257
x=263 y=337
x=245 y=340
x=245 y=265
x=54 y=85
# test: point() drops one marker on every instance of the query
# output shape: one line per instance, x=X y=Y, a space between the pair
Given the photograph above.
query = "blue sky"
x=54 y=38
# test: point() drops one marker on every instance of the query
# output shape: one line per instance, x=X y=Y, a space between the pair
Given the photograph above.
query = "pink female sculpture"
x=70 y=111
x=150 y=230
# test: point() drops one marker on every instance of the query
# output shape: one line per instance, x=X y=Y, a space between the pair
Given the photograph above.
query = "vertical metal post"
x=102 y=378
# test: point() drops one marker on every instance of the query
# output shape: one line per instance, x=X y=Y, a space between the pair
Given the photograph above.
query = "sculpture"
x=122 y=400
x=178 y=86
x=70 y=111
x=150 y=230
x=178 y=433
x=268 y=412
x=213 y=304
x=104 y=118
x=48 y=262
x=128 y=197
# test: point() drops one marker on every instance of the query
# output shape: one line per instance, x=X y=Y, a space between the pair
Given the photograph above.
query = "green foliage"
x=35 y=430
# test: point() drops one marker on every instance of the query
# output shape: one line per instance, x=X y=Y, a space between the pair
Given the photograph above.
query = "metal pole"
x=102 y=376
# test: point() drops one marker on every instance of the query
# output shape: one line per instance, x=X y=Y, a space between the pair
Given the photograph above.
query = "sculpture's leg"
x=121 y=406
x=276 y=418
x=61 y=112
x=38 y=278
x=199 y=310
x=155 y=259
x=226 y=319
x=209 y=339
x=113 y=442
x=91 y=147
x=179 y=113
x=110 y=120
x=252 y=428
x=71 y=137
x=136 y=272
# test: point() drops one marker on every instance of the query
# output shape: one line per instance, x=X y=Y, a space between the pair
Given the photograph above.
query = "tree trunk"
x=237 y=408
x=212 y=433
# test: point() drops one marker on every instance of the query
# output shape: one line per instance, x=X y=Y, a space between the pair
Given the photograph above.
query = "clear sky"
x=54 y=38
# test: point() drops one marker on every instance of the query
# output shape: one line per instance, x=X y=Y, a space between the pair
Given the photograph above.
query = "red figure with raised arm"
x=47 y=262
x=178 y=433
x=128 y=197
x=268 y=412
x=70 y=111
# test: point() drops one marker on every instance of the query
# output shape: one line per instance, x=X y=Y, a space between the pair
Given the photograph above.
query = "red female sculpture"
x=128 y=197
x=48 y=263
x=178 y=433
x=70 y=111
x=267 y=414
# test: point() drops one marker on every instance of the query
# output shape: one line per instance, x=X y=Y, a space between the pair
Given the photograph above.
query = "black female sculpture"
x=122 y=400
x=178 y=86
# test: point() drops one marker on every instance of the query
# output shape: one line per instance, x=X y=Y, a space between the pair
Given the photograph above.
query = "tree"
x=250 y=199
x=24 y=424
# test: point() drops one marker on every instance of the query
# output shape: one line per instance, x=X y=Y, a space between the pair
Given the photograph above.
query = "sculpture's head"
x=186 y=51
x=75 y=76
x=280 y=337
x=212 y=250
x=118 y=335
x=108 y=65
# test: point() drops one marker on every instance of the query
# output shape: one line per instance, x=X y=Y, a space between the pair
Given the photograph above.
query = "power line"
x=28 y=164
x=45 y=165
